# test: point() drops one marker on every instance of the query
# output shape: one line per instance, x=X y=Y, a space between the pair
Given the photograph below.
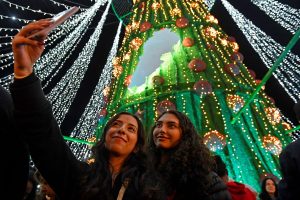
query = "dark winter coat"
x=289 y=186
x=49 y=151
x=218 y=189
x=14 y=153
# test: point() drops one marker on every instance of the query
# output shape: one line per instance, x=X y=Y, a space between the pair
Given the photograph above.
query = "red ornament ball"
x=237 y=57
x=252 y=73
x=232 y=69
x=197 y=65
x=271 y=99
x=145 y=26
x=202 y=87
x=272 y=144
x=127 y=80
x=165 y=105
x=257 y=81
x=182 y=22
x=141 y=5
x=231 y=39
x=188 y=42
x=214 y=140
x=211 y=47
x=105 y=100
x=158 y=80
x=102 y=114
x=117 y=71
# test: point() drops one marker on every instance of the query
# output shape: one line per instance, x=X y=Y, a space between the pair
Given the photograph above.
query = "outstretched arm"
x=33 y=114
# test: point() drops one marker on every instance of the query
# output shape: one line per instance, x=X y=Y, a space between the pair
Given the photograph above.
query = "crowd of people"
x=173 y=164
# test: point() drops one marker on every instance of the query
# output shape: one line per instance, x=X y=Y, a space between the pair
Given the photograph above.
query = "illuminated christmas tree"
x=201 y=74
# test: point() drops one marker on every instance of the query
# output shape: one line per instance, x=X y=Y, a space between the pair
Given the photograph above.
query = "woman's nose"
x=162 y=129
x=122 y=129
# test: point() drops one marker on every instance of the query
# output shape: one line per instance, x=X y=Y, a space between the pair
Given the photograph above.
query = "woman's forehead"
x=169 y=117
x=127 y=119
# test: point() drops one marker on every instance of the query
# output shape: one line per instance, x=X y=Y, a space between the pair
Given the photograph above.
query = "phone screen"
x=61 y=14
x=57 y=20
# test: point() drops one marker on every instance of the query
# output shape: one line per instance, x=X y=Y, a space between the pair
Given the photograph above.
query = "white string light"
x=296 y=134
x=47 y=63
x=44 y=66
x=5 y=44
x=60 y=31
x=9 y=37
x=26 y=21
x=6 y=55
x=9 y=29
x=286 y=16
x=5 y=66
x=5 y=81
x=26 y=8
x=61 y=49
x=70 y=25
x=288 y=74
x=56 y=57
x=88 y=121
x=64 y=92
x=6 y=59
x=64 y=5
x=209 y=3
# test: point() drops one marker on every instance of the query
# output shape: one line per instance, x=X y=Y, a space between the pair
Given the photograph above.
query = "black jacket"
x=218 y=189
x=49 y=151
x=289 y=187
x=14 y=153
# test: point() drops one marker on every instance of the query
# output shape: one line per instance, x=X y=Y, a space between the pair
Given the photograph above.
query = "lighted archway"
x=160 y=43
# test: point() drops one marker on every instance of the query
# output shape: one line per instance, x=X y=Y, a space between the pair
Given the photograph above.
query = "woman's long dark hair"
x=264 y=195
x=98 y=182
x=188 y=164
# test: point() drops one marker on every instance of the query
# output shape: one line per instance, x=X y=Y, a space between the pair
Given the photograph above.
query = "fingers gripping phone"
x=57 y=20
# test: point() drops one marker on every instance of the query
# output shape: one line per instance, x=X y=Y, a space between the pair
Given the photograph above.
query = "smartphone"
x=57 y=20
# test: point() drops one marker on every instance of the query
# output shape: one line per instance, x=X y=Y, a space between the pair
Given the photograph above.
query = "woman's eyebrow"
x=168 y=122
x=132 y=125
x=123 y=122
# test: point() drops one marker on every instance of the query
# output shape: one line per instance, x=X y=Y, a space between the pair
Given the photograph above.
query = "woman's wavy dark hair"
x=98 y=181
x=264 y=195
x=188 y=164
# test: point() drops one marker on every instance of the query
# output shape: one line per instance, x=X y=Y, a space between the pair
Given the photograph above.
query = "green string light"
x=290 y=45
x=78 y=140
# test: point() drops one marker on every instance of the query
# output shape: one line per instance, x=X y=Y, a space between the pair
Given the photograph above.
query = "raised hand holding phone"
x=56 y=21
x=28 y=45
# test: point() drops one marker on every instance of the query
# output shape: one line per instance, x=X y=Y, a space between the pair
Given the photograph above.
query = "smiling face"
x=167 y=132
x=122 y=135
x=270 y=186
